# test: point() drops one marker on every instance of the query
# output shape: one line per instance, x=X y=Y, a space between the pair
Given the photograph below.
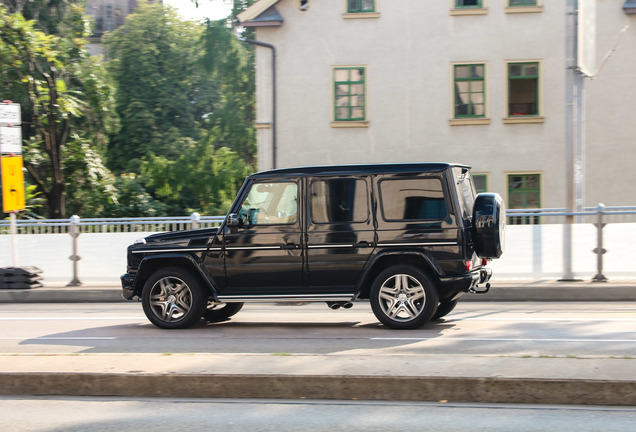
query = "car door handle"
x=289 y=246
x=363 y=244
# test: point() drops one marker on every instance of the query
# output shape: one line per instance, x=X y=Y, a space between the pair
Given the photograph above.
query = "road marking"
x=72 y=318
x=57 y=338
x=450 y=319
x=498 y=339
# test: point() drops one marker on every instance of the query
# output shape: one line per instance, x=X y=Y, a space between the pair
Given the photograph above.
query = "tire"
x=173 y=298
x=444 y=309
x=489 y=225
x=403 y=297
x=217 y=312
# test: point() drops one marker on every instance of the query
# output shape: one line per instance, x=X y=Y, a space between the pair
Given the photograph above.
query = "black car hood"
x=181 y=235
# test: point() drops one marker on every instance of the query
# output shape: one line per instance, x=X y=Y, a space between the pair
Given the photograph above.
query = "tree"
x=162 y=93
x=64 y=96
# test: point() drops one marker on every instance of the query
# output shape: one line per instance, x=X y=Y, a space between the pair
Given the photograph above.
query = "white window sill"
x=467 y=11
x=469 y=122
x=361 y=15
x=350 y=124
x=523 y=120
x=524 y=9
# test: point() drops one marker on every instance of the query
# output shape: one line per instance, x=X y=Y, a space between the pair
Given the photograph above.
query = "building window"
x=468 y=3
x=470 y=91
x=524 y=192
x=515 y=3
x=481 y=182
x=349 y=93
x=523 y=89
x=358 y=6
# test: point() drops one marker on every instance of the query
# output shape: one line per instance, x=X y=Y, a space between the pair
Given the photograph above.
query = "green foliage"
x=202 y=179
x=63 y=94
x=162 y=93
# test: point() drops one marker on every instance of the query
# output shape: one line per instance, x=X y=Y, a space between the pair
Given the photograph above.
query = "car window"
x=465 y=191
x=343 y=200
x=270 y=204
x=413 y=199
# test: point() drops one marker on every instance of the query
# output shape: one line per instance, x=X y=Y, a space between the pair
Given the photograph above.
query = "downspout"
x=270 y=46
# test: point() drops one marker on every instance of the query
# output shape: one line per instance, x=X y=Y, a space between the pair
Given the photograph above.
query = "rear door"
x=340 y=232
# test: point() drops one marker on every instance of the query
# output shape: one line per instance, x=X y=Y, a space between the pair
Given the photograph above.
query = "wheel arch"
x=385 y=260
x=152 y=263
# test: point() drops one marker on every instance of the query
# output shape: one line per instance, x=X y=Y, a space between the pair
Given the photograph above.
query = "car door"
x=263 y=253
x=340 y=232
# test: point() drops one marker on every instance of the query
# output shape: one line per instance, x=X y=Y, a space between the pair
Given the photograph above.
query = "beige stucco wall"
x=408 y=52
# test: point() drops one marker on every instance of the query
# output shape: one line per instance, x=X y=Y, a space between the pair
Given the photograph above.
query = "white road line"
x=498 y=339
x=544 y=319
x=57 y=338
x=73 y=318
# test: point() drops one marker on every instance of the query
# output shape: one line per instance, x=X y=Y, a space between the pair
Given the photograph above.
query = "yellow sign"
x=12 y=184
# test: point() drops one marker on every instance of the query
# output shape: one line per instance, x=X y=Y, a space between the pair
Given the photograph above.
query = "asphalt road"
x=586 y=330
x=121 y=414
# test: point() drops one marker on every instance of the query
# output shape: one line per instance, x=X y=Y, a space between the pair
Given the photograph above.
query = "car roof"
x=390 y=168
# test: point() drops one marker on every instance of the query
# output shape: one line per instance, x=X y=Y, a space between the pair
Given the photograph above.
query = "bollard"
x=195 y=218
x=599 y=251
x=74 y=231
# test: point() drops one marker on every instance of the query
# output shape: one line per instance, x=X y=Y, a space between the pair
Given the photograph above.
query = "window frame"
x=479 y=5
x=486 y=178
x=524 y=118
x=459 y=10
x=526 y=220
x=470 y=80
x=255 y=184
x=359 y=9
x=527 y=3
x=310 y=203
x=350 y=120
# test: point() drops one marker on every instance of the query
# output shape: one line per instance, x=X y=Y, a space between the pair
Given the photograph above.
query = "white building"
x=481 y=82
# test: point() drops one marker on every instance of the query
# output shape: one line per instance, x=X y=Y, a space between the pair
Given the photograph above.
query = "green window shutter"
x=349 y=93
x=470 y=91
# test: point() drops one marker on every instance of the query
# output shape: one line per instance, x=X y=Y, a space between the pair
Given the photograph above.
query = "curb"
x=438 y=389
x=505 y=292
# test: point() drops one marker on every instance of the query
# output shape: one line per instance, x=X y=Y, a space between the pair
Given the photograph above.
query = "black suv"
x=411 y=238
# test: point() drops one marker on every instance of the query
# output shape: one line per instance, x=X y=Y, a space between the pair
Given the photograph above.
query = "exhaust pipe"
x=338 y=305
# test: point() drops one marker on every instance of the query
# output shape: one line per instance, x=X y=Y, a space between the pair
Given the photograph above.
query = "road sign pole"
x=13 y=227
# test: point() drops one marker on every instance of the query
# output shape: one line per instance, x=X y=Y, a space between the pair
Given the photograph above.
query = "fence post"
x=74 y=231
x=195 y=218
x=599 y=251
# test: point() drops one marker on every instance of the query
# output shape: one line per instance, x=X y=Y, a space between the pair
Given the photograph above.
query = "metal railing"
x=610 y=214
x=111 y=225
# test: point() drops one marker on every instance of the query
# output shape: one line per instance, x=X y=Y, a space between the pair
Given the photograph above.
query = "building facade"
x=107 y=15
x=481 y=82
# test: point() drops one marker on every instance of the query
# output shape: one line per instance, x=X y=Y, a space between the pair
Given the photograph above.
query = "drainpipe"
x=266 y=45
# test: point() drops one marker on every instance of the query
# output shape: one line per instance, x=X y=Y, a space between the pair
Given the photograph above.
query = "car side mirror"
x=233 y=220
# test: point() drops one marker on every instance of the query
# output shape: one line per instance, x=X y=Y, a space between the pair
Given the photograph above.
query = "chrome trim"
x=285 y=298
x=329 y=246
x=170 y=250
x=419 y=244
x=253 y=247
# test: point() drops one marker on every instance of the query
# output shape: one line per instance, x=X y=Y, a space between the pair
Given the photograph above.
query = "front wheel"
x=403 y=297
x=173 y=298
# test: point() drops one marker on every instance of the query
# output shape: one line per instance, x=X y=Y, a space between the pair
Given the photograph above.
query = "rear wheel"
x=217 y=312
x=403 y=297
x=173 y=298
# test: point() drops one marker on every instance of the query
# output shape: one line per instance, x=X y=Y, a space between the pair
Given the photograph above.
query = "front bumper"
x=127 y=286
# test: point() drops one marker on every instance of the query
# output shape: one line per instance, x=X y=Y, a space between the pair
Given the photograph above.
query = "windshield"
x=465 y=191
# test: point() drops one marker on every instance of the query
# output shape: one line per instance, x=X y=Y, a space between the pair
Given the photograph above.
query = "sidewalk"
x=501 y=290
